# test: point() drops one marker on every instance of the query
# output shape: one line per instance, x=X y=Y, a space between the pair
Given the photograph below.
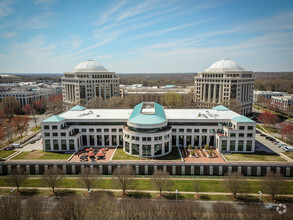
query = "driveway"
x=262 y=144
x=35 y=146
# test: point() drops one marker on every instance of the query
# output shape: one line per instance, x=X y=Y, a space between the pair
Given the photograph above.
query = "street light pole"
x=260 y=193
x=176 y=194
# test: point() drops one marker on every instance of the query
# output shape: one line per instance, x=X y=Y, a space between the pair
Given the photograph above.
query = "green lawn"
x=254 y=157
x=38 y=127
x=146 y=184
x=121 y=155
x=41 y=155
x=260 y=128
x=289 y=154
x=6 y=153
x=270 y=129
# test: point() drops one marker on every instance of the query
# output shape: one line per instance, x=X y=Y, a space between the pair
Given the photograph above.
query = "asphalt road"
x=262 y=144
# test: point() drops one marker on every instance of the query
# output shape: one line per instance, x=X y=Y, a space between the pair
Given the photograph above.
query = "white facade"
x=89 y=79
x=282 y=102
x=265 y=94
x=219 y=127
x=222 y=81
x=4 y=78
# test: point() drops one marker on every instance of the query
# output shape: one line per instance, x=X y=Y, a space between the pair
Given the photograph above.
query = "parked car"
x=271 y=206
x=17 y=145
x=10 y=147
x=37 y=138
x=32 y=141
x=276 y=142
x=262 y=134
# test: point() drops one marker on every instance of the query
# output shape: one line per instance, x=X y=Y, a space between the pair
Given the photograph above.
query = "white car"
x=16 y=145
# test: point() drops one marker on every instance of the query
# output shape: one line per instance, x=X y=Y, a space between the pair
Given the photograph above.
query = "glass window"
x=250 y=127
x=83 y=130
x=156 y=138
x=63 y=144
x=106 y=130
x=54 y=127
x=92 y=140
x=232 y=145
x=166 y=144
x=248 y=145
x=241 y=127
x=120 y=140
x=91 y=130
x=47 y=144
x=249 y=134
x=63 y=134
x=196 y=130
x=158 y=149
x=181 y=130
x=55 y=134
x=174 y=130
x=232 y=135
x=144 y=139
x=114 y=129
x=212 y=130
x=241 y=134
x=71 y=144
x=224 y=145
x=120 y=129
x=47 y=134
x=107 y=141
x=137 y=138
x=133 y=138
x=46 y=127
x=135 y=149
x=146 y=150
x=149 y=139
x=204 y=130
x=99 y=140
x=99 y=130
x=55 y=145
x=189 y=130
x=240 y=145
x=114 y=140
x=126 y=147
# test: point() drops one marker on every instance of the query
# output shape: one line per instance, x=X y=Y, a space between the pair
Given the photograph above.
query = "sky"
x=152 y=36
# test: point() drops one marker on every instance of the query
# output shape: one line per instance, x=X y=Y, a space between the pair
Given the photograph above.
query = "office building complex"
x=89 y=79
x=282 y=103
x=225 y=82
x=149 y=130
x=5 y=78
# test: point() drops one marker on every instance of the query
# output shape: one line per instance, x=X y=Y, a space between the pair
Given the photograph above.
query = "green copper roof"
x=77 y=108
x=54 y=118
x=242 y=118
x=221 y=108
x=148 y=117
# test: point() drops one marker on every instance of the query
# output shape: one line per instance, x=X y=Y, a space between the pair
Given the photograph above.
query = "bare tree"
x=11 y=208
x=224 y=211
x=36 y=208
x=197 y=187
x=161 y=179
x=17 y=177
x=253 y=212
x=53 y=178
x=124 y=177
x=234 y=183
x=274 y=183
x=72 y=208
x=102 y=206
x=89 y=178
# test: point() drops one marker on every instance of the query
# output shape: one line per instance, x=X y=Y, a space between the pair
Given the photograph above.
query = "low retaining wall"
x=36 y=168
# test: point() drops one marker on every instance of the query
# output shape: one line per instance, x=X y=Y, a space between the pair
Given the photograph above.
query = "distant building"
x=25 y=96
x=265 y=94
x=149 y=130
x=87 y=80
x=9 y=79
x=222 y=82
x=282 y=102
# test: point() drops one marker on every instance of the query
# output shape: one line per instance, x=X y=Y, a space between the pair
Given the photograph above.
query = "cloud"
x=38 y=22
x=5 y=8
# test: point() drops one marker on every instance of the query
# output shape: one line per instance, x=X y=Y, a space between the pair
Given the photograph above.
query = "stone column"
x=73 y=169
x=91 y=168
x=220 y=93
x=82 y=168
x=146 y=169
x=204 y=93
x=248 y=171
x=258 y=171
x=101 y=169
x=155 y=168
x=288 y=169
x=209 y=93
x=136 y=169
x=37 y=169
x=27 y=169
x=220 y=170
x=215 y=90
x=239 y=170
x=182 y=170
x=201 y=170
x=9 y=169
x=165 y=168
x=211 y=170
x=173 y=170
x=268 y=170
x=191 y=170
x=229 y=170
x=109 y=169
x=64 y=169
x=45 y=167
x=278 y=170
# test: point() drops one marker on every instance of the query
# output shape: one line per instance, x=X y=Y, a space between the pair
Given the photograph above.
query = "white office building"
x=87 y=80
x=5 y=78
x=149 y=130
x=282 y=102
x=265 y=94
x=223 y=81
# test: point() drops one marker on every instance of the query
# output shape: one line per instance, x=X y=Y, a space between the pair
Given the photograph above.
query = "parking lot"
x=262 y=144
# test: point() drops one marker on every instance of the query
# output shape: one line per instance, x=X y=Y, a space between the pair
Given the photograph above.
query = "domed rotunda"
x=88 y=80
